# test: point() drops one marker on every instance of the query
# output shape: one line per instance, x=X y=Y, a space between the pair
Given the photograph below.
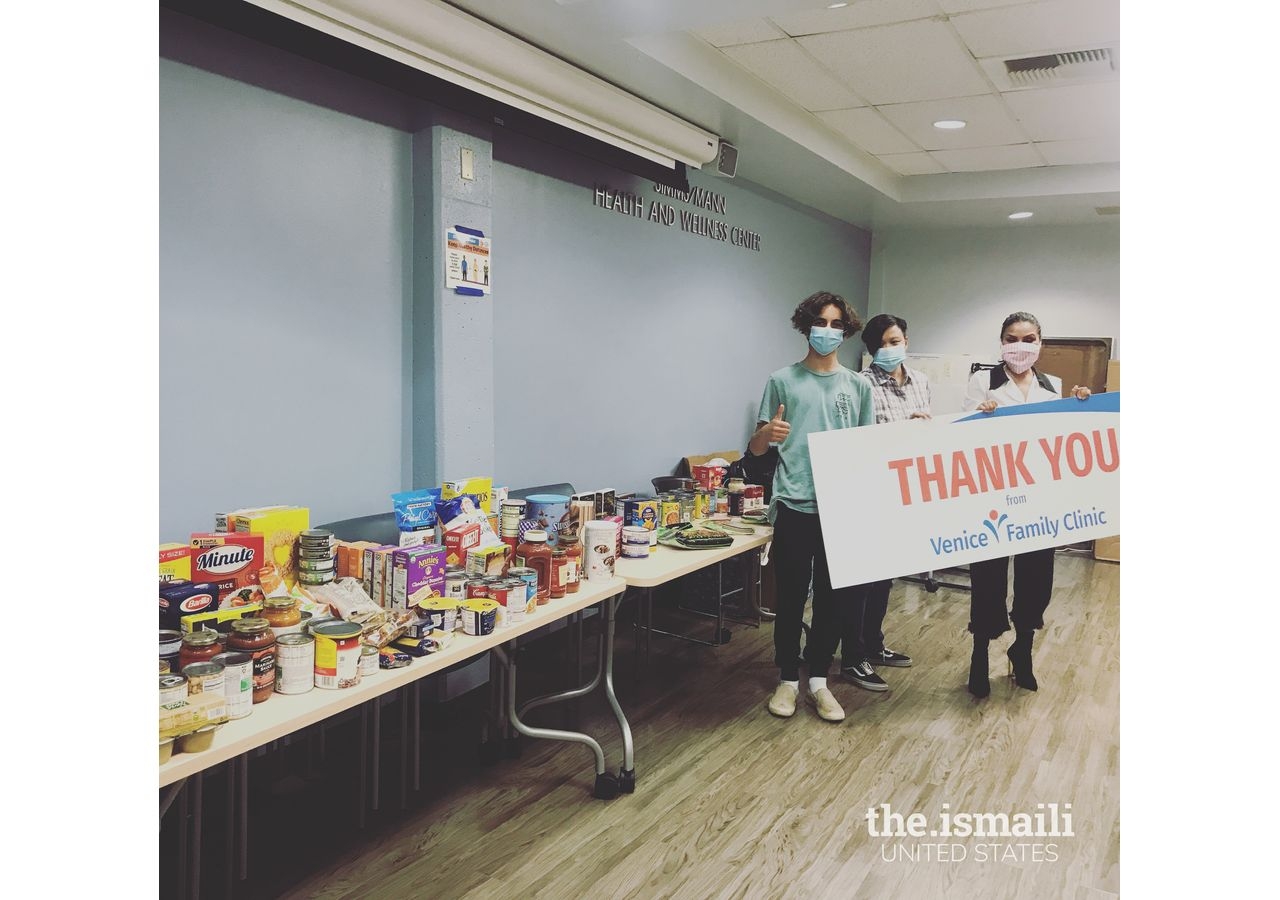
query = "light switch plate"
x=468 y=164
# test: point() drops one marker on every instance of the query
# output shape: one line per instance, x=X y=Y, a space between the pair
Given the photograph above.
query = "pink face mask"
x=1020 y=356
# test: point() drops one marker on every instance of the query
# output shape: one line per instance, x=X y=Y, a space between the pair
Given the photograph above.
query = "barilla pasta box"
x=230 y=560
x=181 y=597
x=279 y=529
x=490 y=560
x=477 y=486
x=417 y=574
x=458 y=541
x=175 y=562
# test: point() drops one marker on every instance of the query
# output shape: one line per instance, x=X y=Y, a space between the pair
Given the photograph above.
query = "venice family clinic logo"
x=993 y=521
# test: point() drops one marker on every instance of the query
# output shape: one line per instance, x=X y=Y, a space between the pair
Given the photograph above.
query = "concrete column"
x=453 y=367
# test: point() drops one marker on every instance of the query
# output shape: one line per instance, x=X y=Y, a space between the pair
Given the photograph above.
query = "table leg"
x=228 y=861
x=244 y=816
x=404 y=748
x=417 y=734
x=182 y=840
x=627 y=775
x=606 y=786
x=362 y=799
x=375 y=775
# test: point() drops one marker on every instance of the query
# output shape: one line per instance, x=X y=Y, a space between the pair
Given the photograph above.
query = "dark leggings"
x=1032 y=586
x=799 y=554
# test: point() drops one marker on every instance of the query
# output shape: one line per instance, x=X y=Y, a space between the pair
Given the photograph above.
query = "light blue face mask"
x=889 y=358
x=825 y=340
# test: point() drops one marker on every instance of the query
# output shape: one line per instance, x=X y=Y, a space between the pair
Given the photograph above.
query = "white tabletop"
x=667 y=563
x=286 y=713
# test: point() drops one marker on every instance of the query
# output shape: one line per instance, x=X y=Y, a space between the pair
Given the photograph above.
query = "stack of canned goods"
x=317 y=560
x=509 y=524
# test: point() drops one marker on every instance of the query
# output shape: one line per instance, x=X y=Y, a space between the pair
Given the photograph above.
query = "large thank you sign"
x=910 y=497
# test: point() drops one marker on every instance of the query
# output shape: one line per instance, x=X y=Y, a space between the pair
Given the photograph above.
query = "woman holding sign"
x=1014 y=381
x=815 y=394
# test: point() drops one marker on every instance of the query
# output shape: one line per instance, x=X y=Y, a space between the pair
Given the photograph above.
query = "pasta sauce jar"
x=534 y=553
x=255 y=637
x=198 y=646
x=282 y=614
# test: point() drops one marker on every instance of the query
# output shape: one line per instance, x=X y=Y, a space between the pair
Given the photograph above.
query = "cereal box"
x=175 y=562
x=417 y=575
x=367 y=565
x=231 y=561
x=481 y=487
x=279 y=529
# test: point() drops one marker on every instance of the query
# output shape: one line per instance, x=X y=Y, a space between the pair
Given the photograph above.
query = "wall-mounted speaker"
x=727 y=159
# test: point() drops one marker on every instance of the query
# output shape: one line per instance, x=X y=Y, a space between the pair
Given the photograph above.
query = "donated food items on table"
x=264 y=604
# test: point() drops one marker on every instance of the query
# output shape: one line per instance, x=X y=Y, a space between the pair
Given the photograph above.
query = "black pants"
x=799 y=554
x=862 y=635
x=1032 y=587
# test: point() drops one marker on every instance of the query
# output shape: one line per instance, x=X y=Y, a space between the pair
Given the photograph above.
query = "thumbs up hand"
x=777 y=429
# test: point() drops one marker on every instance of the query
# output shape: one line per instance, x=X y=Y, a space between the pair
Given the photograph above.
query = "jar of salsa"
x=534 y=553
x=255 y=637
x=559 y=572
x=282 y=614
x=198 y=646
x=573 y=571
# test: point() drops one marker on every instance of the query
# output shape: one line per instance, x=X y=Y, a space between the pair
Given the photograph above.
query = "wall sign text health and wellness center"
x=691 y=221
x=959 y=489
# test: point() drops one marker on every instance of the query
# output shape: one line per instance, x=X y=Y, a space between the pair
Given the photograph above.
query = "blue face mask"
x=825 y=340
x=889 y=358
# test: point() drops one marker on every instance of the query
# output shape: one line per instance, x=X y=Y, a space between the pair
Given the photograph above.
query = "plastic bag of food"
x=415 y=510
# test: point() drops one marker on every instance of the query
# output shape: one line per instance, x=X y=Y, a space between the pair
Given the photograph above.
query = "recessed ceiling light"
x=950 y=124
x=1021 y=215
x=836 y=5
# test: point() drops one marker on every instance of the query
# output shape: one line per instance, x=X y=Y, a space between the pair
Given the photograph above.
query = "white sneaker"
x=825 y=703
x=783 y=701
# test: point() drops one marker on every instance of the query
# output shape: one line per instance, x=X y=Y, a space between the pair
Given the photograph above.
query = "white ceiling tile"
x=866 y=128
x=1040 y=27
x=899 y=63
x=912 y=163
x=747 y=32
x=987 y=159
x=959 y=6
x=856 y=15
x=1076 y=153
x=988 y=122
x=787 y=68
x=1067 y=113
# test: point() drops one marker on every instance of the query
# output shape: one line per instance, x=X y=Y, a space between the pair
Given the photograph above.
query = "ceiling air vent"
x=1048 y=69
x=1041 y=70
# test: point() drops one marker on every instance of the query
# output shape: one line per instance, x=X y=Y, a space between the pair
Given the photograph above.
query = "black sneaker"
x=887 y=657
x=864 y=676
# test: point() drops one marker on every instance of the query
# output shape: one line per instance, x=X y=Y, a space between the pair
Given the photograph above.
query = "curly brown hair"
x=811 y=307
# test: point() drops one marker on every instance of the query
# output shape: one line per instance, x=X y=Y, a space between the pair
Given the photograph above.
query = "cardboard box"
x=457 y=541
x=175 y=562
x=685 y=468
x=477 y=485
x=279 y=529
x=218 y=619
x=417 y=574
x=231 y=560
x=489 y=561
x=1107 y=549
x=178 y=598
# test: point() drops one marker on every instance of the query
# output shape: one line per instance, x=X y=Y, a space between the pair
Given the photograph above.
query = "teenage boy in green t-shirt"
x=815 y=394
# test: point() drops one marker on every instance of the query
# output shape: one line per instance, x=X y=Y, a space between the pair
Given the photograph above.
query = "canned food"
x=316 y=622
x=204 y=677
x=670 y=514
x=315 y=577
x=517 y=599
x=530 y=579
x=325 y=563
x=368 y=660
x=295 y=663
x=441 y=612
x=635 y=542
x=170 y=646
x=164 y=667
x=237 y=684
x=337 y=655
x=172 y=687
x=479 y=617
x=477 y=589
x=455 y=583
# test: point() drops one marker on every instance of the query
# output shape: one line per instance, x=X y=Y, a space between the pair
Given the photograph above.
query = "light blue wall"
x=623 y=345
x=284 y=293
x=954 y=286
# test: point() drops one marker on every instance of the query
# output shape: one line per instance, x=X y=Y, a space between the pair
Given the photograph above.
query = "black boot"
x=1019 y=654
x=979 y=680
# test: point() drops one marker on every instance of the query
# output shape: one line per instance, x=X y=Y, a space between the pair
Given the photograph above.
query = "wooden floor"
x=732 y=802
